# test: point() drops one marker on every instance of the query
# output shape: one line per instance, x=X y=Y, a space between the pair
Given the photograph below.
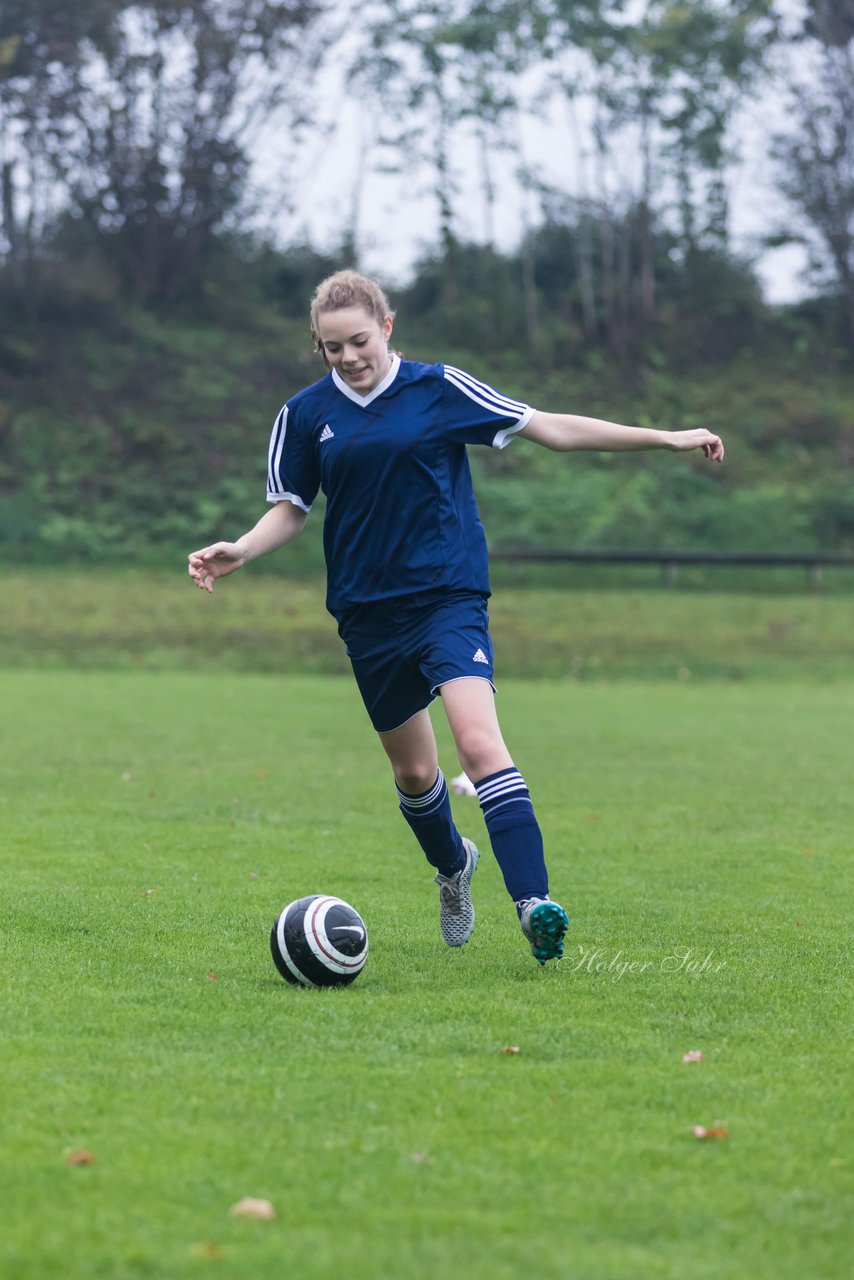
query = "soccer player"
x=407 y=578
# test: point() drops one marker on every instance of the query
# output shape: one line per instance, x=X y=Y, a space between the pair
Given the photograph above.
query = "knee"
x=480 y=752
x=415 y=776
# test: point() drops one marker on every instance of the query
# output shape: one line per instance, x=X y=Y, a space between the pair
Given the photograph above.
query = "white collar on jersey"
x=375 y=391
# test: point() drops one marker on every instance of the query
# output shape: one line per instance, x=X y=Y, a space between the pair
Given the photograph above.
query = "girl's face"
x=356 y=346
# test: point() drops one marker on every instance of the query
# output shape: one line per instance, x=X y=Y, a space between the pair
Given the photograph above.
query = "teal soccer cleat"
x=544 y=923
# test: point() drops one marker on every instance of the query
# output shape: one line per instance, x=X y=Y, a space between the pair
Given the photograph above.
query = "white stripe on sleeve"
x=276 y=491
x=504 y=436
x=493 y=400
x=483 y=394
x=289 y=497
x=274 y=455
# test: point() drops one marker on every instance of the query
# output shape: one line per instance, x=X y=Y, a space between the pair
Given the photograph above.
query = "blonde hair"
x=347 y=289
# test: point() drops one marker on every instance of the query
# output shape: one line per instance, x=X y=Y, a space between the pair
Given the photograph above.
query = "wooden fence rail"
x=670 y=561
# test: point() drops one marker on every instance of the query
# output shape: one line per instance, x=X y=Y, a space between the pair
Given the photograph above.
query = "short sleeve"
x=478 y=414
x=293 y=473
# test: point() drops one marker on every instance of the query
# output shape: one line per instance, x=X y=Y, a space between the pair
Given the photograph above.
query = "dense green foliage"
x=125 y=431
x=145 y=345
x=155 y=825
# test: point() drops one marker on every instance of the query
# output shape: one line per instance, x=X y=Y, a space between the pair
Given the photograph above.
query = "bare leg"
x=411 y=748
x=423 y=794
x=470 y=707
x=508 y=812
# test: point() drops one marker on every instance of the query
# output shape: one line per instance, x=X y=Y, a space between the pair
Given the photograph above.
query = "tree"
x=651 y=108
x=42 y=51
x=815 y=155
x=142 y=113
x=448 y=72
x=421 y=58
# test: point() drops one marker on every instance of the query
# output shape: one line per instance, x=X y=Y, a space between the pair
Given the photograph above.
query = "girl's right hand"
x=214 y=562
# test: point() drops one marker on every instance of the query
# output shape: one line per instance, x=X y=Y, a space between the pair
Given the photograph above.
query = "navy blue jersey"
x=401 y=516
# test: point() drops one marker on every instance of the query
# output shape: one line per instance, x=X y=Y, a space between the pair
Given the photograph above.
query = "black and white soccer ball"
x=319 y=941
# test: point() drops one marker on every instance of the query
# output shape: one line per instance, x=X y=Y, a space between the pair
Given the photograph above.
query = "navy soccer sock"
x=514 y=833
x=429 y=816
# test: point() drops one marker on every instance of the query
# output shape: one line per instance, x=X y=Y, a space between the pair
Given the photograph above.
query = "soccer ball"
x=319 y=941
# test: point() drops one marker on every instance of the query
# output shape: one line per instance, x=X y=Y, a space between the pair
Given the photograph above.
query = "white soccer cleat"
x=456 y=911
x=462 y=785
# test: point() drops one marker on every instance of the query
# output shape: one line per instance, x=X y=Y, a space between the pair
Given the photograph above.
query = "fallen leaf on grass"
x=511 y=1048
x=81 y=1157
x=208 y=1250
x=249 y=1207
x=693 y=1055
x=211 y=977
x=715 y=1131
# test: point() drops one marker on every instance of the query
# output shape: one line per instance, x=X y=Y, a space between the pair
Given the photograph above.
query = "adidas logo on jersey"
x=480 y=656
x=326 y=434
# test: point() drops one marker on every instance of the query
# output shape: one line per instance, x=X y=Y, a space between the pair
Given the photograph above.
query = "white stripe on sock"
x=416 y=804
x=500 y=786
x=493 y=808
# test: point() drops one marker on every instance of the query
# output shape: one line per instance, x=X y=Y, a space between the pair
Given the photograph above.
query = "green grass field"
x=266 y=622
x=154 y=825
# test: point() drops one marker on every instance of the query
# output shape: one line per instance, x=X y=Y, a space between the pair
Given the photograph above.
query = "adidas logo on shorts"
x=326 y=434
x=480 y=656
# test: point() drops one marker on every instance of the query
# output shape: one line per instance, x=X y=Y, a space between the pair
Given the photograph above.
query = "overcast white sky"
x=398 y=214
x=398 y=218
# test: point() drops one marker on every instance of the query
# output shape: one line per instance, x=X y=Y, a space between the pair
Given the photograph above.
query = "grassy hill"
x=125 y=433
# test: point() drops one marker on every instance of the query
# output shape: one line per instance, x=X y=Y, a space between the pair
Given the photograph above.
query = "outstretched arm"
x=276 y=527
x=566 y=431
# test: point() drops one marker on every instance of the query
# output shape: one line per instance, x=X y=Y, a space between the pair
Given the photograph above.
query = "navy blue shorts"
x=403 y=650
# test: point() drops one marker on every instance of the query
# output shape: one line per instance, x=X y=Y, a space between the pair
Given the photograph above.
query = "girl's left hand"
x=697 y=438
